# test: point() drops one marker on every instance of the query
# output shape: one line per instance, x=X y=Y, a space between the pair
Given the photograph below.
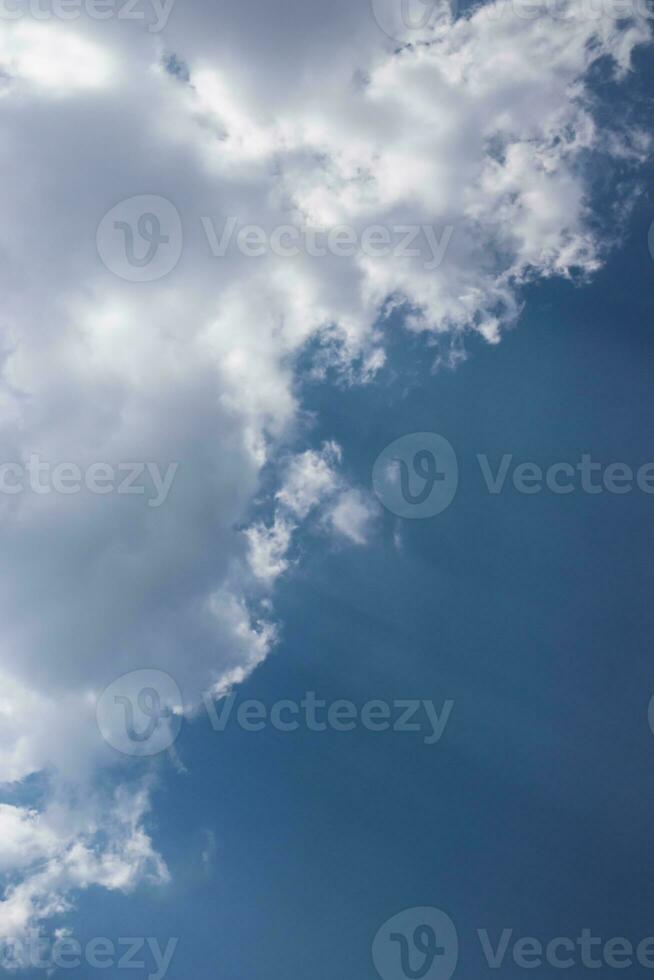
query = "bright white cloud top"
x=478 y=134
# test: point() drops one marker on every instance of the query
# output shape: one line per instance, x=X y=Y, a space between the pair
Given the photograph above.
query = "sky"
x=326 y=566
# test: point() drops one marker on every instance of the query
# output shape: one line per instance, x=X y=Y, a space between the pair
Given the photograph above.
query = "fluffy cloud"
x=352 y=515
x=311 y=482
x=309 y=478
x=457 y=168
x=60 y=851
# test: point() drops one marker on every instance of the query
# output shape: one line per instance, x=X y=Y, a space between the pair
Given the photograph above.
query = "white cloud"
x=352 y=515
x=64 y=850
x=269 y=547
x=310 y=477
x=24 y=838
x=57 y=61
x=311 y=483
x=483 y=129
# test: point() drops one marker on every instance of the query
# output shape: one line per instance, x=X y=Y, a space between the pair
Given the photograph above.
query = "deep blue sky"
x=534 y=614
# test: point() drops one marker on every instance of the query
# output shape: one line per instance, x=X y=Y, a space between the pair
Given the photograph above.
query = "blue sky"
x=271 y=853
x=531 y=613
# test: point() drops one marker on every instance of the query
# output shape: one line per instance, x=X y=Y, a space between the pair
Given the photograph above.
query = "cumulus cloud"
x=436 y=177
x=61 y=850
